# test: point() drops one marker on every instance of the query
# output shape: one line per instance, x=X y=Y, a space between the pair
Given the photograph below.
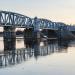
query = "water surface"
x=41 y=58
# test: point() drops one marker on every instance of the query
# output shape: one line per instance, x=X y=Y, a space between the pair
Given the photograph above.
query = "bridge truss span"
x=14 y=19
x=17 y=20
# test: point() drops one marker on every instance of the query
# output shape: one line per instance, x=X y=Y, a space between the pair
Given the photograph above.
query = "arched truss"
x=45 y=24
x=18 y=20
x=14 y=19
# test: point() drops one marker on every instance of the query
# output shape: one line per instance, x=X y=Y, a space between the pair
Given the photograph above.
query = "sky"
x=55 y=10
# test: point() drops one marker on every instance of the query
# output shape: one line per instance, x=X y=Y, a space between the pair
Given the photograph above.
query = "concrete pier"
x=37 y=35
x=9 y=38
x=28 y=35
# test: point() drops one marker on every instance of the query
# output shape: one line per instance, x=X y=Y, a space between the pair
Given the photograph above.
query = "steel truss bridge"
x=22 y=21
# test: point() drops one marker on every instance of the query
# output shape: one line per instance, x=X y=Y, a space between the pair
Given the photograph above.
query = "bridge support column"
x=37 y=34
x=9 y=38
x=28 y=35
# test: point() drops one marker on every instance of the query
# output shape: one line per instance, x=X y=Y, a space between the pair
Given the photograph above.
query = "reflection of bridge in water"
x=17 y=56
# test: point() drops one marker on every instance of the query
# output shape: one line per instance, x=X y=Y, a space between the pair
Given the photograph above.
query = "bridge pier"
x=28 y=35
x=9 y=38
x=37 y=35
x=31 y=36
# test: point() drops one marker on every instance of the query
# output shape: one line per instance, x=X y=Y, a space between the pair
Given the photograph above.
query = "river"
x=43 y=58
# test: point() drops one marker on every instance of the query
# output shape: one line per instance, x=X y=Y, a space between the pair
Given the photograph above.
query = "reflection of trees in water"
x=32 y=50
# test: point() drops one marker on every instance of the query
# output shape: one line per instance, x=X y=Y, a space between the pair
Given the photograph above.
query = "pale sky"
x=55 y=10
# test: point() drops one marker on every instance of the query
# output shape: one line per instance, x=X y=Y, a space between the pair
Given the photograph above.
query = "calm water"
x=41 y=58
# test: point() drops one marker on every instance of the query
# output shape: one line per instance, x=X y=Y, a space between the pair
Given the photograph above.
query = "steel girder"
x=18 y=20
